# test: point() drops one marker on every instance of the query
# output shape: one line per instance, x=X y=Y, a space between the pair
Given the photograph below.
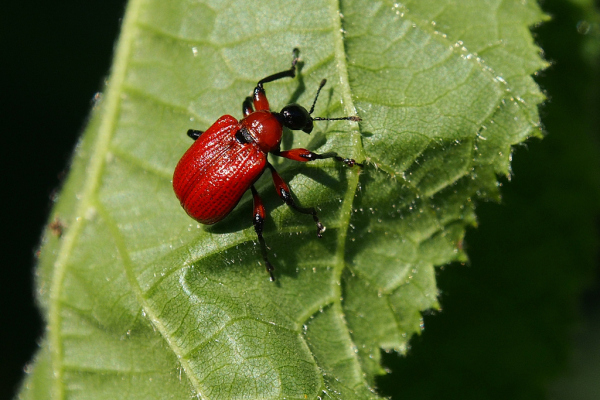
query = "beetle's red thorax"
x=265 y=129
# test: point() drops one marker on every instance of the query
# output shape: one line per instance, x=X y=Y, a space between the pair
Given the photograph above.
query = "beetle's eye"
x=296 y=117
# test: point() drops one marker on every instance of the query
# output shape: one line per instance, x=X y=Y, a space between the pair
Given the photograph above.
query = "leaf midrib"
x=353 y=180
x=95 y=170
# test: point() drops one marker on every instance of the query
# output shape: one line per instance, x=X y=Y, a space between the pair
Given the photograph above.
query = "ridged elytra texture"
x=216 y=171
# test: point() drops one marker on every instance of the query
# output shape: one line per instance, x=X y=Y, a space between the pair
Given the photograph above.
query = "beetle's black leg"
x=260 y=98
x=247 y=106
x=194 y=134
x=284 y=193
x=258 y=220
x=304 y=155
x=283 y=74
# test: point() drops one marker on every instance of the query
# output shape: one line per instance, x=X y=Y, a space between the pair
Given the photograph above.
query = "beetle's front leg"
x=304 y=155
x=258 y=220
x=247 y=108
x=259 y=97
x=284 y=193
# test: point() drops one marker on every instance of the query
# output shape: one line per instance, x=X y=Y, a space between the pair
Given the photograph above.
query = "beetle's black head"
x=296 y=117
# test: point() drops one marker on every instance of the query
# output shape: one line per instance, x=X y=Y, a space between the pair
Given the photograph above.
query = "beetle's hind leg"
x=284 y=193
x=258 y=220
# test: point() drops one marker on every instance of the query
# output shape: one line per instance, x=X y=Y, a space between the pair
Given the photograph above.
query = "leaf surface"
x=143 y=302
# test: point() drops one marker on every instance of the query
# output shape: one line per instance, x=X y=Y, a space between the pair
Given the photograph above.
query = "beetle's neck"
x=265 y=129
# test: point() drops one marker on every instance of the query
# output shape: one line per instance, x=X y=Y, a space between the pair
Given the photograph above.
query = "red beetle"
x=226 y=160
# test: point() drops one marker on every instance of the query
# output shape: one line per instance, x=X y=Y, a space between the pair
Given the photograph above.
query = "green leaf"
x=143 y=302
x=508 y=318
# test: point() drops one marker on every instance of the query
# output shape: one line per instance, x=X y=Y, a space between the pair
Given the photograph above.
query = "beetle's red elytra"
x=226 y=160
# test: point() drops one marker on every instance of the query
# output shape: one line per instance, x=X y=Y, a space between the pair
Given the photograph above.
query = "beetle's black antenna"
x=355 y=118
x=312 y=108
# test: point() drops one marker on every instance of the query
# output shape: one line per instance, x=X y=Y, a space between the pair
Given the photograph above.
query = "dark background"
x=522 y=319
x=55 y=56
x=508 y=316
